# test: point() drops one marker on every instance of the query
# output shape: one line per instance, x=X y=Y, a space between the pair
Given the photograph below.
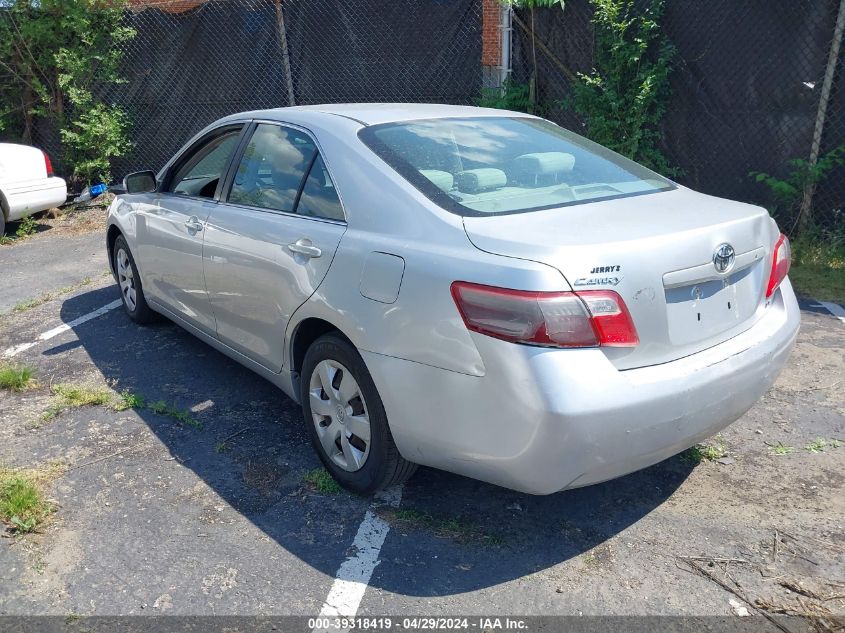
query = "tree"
x=624 y=98
x=54 y=55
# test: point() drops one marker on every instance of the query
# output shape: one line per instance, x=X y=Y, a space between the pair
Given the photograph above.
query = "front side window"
x=200 y=172
x=272 y=168
x=493 y=165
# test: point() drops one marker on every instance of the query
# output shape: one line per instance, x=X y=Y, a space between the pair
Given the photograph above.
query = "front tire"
x=346 y=420
x=131 y=291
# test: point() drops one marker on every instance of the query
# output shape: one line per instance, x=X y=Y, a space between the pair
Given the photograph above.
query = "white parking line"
x=835 y=309
x=355 y=572
x=46 y=336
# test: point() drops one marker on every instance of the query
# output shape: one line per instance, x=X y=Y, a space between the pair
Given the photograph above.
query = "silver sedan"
x=475 y=290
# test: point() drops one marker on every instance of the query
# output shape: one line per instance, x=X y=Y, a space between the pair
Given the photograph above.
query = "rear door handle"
x=193 y=224
x=304 y=247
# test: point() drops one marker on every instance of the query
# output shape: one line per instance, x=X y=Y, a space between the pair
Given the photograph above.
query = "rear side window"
x=319 y=198
x=494 y=165
x=272 y=168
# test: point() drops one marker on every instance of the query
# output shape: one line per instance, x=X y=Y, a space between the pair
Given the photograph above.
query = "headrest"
x=478 y=180
x=442 y=179
x=542 y=163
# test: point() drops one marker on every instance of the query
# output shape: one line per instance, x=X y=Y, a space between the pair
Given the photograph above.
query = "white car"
x=27 y=183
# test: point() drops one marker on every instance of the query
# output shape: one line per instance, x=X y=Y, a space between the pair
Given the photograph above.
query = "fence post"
x=805 y=215
x=283 y=44
x=505 y=41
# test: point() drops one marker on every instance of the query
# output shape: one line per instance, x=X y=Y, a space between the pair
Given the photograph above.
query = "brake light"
x=553 y=319
x=48 y=165
x=781 y=259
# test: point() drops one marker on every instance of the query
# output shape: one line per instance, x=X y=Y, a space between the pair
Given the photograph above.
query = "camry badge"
x=723 y=258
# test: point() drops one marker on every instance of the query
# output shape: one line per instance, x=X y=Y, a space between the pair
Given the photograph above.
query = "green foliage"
x=321 y=481
x=788 y=192
x=26 y=227
x=781 y=449
x=54 y=54
x=820 y=444
x=93 y=139
x=16 y=377
x=624 y=98
x=128 y=400
x=184 y=417
x=22 y=505
x=511 y=96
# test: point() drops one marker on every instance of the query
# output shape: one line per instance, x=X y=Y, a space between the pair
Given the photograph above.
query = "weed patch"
x=820 y=445
x=23 y=504
x=320 y=480
x=16 y=377
x=450 y=527
x=709 y=452
x=183 y=416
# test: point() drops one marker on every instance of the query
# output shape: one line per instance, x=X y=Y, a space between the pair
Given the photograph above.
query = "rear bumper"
x=34 y=197
x=544 y=420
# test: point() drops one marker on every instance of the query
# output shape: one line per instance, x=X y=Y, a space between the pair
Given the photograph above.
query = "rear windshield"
x=494 y=165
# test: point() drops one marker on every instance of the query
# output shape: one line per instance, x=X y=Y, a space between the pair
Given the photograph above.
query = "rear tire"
x=346 y=420
x=2 y=223
x=129 y=282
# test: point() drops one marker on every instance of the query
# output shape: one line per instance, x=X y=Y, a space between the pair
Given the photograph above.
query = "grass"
x=16 y=377
x=183 y=416
x=451 y=527
x=74 y=395
x=818 y=266
x=28 y=304
x=127 y=400
x=23 y=504
x=320 y=480
x=706 y=452
x=781 y=449
x=820 y=444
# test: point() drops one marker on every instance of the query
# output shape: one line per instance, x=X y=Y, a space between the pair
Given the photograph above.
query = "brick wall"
x=490 y=33
x=170 y=6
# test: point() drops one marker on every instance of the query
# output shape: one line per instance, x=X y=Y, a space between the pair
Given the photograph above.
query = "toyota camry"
x=474 y=290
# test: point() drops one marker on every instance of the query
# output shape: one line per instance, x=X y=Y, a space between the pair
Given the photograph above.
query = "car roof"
x=376 y=113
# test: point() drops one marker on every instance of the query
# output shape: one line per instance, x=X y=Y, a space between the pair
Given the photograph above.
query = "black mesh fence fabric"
x=746 y=89
x=194 y=62
x=747 y=79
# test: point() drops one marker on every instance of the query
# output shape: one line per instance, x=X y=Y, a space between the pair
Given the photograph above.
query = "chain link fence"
x=193 y=62
x=748 y=94
x=755 y=86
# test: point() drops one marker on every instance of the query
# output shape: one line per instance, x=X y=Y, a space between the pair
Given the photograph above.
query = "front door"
x=171 y=231
x=270 y=241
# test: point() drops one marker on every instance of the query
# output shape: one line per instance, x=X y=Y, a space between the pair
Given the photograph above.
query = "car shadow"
x=252 y=451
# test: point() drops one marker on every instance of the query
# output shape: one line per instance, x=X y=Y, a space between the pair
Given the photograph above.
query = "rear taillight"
x=781 y=258
x=554 y=319
x=48 y=165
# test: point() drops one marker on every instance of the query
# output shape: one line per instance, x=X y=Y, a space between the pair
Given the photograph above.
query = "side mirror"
x=140 y=182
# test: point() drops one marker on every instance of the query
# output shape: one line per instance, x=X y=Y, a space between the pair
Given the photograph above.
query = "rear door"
x=271 y=240
x=170 y=231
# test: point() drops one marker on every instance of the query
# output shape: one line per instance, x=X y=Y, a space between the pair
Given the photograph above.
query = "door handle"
x=304 y=247
x=193 y=223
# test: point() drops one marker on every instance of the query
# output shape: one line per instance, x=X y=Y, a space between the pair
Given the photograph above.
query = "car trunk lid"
x=656 y=251
x=21 y=164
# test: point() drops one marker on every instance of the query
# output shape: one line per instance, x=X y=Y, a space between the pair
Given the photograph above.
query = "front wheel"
x=131 y=291
x=346 y=419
